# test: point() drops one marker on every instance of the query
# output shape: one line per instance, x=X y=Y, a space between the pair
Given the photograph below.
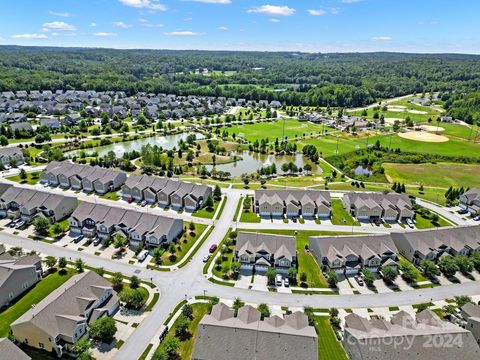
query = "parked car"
x=143 y=203
x=142 y=256
x=212 y=249
x=97 y=242
x=78 y=239
x=410 y=223
x=20 y=224
x=278 y=280
x=206 y=258
x=476 y=218
x=13 y=223
x=462 y=211
x=130 y=200
x=359 y=280
x=286 y=282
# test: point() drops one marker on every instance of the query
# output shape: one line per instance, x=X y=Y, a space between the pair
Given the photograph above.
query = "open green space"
x=32 y=178
x=186 y=346
x=441 y=174
x=329 y=348
x=340 y=216
x=31 y=297
x=206 y=213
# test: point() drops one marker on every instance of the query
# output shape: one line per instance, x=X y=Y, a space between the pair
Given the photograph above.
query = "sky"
x=425 y=26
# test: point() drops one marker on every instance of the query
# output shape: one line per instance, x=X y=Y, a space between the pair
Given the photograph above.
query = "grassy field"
x=191 y=240
x=441 y=175
x=273 y=130
x=186 y=347
x=33 y=296
x=425 y=223
x=206 y=213
x=329 y=348
x=340 y=216
x=306 y=262
x=32 y=178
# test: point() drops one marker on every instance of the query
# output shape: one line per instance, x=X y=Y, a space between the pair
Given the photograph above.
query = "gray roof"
x=428 y=240
x=363 y=338
x=10 y=151
x=471 y=310
x=472 y=194
x=294 y=196
x=365 y=246
x=277 y=245
x=11 y=352
x=31 y=198
x=399 y=201
x=222 y=336
x=60 y=311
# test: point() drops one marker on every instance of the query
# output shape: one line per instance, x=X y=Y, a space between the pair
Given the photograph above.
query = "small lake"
x=166 y=142
x=360 y=170
x=251 y=161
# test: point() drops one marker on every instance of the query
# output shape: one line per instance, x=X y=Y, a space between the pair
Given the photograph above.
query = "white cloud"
x=93 y=24
x=223 y=28
x=382 y=38
x=188 y=19
x=350 y=1
x=318 y=12
x=104 y=34
x=121 y=25
x=182 y=33
x=60 y=14
x=274 y=20
x=273 y=10
x=144 y=4
x=58 y=26
x=223 y=2
x=29 y=36
x=335 y=11
x=146 y=23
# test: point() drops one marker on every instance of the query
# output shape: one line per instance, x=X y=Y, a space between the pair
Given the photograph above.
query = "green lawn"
x=186 y=347
x=185 y=246
x=441 y=174
x=424 y=223
x=340 y=216
x=329 y=348
x=111 y=196
x=33 y=296
x=206 y=213
x=306 y=262
x=32 y=178
x=403 y=261
x=248 y=215
x=64 y=224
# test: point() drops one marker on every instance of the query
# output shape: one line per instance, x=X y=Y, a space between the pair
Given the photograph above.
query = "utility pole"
x=336 y=150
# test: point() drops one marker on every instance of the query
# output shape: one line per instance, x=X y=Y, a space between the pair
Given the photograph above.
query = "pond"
x=250 y=162
x=165 y=141
x=360 y=170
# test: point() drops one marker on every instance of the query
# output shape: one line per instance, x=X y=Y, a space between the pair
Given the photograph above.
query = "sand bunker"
x=391 y=121
x=431 y=128
x=400 y=108
x=423 y=136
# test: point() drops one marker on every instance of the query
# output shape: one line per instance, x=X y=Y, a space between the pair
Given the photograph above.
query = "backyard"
x=340 y=216
x=329 y=348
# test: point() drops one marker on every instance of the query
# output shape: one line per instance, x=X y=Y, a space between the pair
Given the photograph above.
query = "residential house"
x=432 y=244
x=371 y=206
x=17 y=275
x=222 y=336
x=61 y=319
x=261 y=251
x=21 y=126
x=11 y=352
x=293 y=203
x=139 y=228
x=51 y=123
x=28 y=203
x=350 y=254
x=471 y=314
x=11 y=156
x=470 y=201
x=406 y=337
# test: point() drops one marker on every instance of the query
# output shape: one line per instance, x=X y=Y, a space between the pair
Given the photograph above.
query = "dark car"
x=213 y=248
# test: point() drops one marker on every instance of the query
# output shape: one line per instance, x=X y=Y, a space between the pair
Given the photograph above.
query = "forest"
x=335 y=80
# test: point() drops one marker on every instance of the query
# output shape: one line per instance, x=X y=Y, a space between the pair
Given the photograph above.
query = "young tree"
x=409 y=273
x=464 y=264
x=171 y=346
x=429 y=268
x=134 y=282
x=389 y=273
x=368 y=277
x=209 y=203
x=264 y=311
x=448 y=266
x=292 y=275
x=132 y=298
x=217 y=193
x=62 y=264
x=271 y=274
x=332 y=279
x=57 y=229
x=182 y=327
x=303 y=278
x=117 y=281
x=157 y=255
x=187 y=310
x=41 y=225
x=79 y=265
x=103 y=329
x=237 y=304
x=23 y=175
x=462 y=300
x=50 y=261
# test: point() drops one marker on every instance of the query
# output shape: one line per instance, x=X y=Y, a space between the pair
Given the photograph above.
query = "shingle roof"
x=11 y=352
x=277 y=245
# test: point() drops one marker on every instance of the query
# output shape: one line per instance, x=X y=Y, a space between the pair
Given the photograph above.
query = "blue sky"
x=296 y=25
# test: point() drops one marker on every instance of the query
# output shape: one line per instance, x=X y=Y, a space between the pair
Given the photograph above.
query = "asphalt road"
x=189 y=281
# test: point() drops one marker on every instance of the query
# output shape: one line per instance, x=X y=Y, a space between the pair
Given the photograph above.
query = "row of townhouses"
x=370 y=206
x=424 y=336
x=261 y=251
x=61 y=319
x=82 y=177
x=17 y=275
x=165 y=192
x=293 y=203
x=11 y=156
x=16 y=202
x=139 y=228
x=470 y=201
x=222 y=336
x=350 y=254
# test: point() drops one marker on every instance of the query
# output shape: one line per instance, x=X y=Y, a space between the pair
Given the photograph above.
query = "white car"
x=143 y=203
x=410 y=223
x=206 y=258
x=286 y=282
x=279 y=280
x=142 y=256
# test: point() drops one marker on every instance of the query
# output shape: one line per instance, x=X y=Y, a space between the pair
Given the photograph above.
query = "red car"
x=130 y=200
x=213 y=248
